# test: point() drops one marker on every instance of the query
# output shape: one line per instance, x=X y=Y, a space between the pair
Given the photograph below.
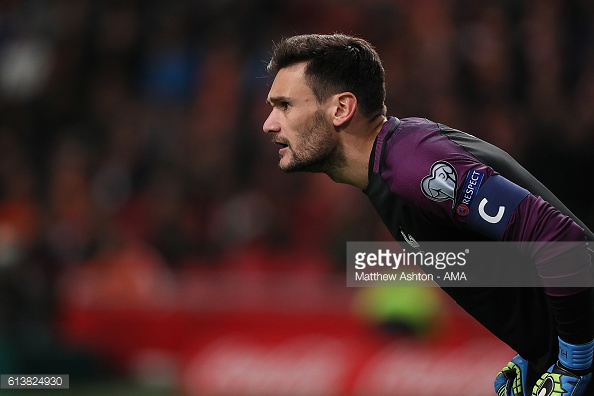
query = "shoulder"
x=426 y=169
x=417 y=148
x=419 y=139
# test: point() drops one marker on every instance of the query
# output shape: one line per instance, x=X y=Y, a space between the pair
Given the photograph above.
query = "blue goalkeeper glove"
x=571 y=374
x=510 y=380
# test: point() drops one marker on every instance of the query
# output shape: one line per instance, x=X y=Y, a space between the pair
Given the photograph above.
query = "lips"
x=283 y=149
x=284 y=144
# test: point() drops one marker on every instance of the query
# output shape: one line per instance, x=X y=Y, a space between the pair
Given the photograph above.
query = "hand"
x=570 y=375
x=510 y=380
x=558 y=381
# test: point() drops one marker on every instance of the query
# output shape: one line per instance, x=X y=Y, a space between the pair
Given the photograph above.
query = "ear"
x=345 y=103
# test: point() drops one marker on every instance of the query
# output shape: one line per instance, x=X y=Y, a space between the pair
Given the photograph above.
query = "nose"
x=271 y=125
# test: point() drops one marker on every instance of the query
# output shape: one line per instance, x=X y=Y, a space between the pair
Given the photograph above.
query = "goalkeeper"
x=429 y=182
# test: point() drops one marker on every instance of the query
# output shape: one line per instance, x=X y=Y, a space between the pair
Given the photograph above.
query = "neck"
x=357 y=143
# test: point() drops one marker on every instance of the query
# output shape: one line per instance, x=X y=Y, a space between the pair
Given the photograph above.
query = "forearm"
x=574 y=316
x=559 y=251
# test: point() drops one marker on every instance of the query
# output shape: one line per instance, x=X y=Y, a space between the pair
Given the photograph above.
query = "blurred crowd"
x=131 y=131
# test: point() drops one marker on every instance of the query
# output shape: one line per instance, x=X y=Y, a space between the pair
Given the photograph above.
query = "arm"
x=558 y=249
x=559 y=265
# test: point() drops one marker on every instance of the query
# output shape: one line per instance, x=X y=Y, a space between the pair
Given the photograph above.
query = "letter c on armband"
x=491 y=219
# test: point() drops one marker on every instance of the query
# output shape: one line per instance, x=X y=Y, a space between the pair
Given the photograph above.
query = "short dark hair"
x=336 y=63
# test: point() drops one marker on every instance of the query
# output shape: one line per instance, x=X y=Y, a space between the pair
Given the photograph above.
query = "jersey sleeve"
x=452 y=189
x=504 y=211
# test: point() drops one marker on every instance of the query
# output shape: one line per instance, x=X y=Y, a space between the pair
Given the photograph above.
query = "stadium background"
x=150 y=245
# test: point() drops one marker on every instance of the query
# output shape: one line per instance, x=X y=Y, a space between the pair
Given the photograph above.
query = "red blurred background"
x=148 y=239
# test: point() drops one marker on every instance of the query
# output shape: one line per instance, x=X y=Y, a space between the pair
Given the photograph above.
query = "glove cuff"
x=577 y=357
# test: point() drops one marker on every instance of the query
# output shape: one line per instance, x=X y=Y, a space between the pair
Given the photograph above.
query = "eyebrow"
x=277 y=99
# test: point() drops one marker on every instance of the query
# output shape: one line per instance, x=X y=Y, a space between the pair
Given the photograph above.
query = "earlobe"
x=346 y=103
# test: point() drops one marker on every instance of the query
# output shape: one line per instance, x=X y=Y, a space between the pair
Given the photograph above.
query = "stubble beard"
x=317 y=151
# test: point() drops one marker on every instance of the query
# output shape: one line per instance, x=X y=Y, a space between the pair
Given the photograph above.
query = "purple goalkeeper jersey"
x=429 y=182
x=433 y=183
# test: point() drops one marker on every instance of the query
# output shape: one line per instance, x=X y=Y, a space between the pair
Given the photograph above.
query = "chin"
x=303 y=167
x=311 y=165
x=288 y=164
x=288 y=168
x=285 y=165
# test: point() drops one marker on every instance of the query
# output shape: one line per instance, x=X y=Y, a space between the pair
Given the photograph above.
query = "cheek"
x=304 y=127
x=295 y=129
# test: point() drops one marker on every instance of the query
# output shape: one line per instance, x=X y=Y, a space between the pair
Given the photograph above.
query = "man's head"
x=336 y=63
x=321 y=82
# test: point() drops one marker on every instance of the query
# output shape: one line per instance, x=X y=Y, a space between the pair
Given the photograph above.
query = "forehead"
x=290 y=83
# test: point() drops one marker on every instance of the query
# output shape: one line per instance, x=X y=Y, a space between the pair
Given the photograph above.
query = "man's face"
x=300 y=124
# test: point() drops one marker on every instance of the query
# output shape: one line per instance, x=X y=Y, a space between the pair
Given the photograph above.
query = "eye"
x=285 y=105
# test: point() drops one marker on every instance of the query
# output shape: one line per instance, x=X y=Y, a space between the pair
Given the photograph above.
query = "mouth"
x=284 y=146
